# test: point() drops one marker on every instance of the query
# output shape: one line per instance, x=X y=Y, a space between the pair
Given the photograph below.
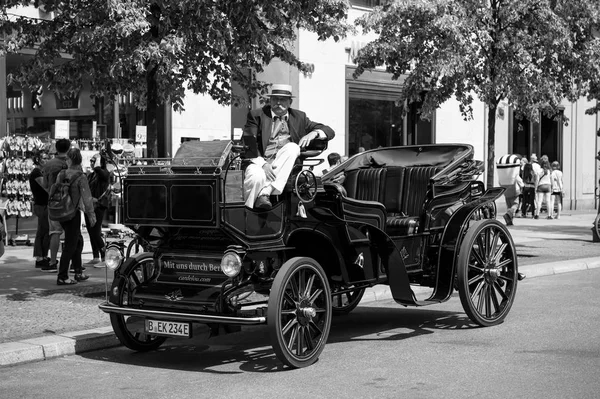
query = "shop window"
x=542 y=138
x=418 y=130
x=373 y=118
x=521 y=137
x=373 y=123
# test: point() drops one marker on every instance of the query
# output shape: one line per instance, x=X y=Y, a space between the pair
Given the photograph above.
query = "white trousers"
x=256 y=179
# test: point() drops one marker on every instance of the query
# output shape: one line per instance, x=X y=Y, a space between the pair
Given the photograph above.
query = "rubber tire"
x=119 y=323
x=340 y=311
x=274 y=312
x=463 y=274
x=597 y=225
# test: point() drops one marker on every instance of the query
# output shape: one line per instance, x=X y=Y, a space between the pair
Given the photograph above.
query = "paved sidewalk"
x=41 y=320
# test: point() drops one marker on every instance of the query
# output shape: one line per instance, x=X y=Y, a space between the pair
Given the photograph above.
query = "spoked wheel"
x=487 y=272
x=597 y=225
x=299 y=314
x=130 y=329
x=344 y=299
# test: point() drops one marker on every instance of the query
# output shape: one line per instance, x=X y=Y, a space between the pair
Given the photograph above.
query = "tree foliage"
x=154 y=49
x=530 y=53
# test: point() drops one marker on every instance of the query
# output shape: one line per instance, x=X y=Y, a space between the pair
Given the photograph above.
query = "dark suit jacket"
x=259 y=122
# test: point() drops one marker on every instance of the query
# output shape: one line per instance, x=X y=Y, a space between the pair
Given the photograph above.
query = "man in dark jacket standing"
x=279 y=133
x=40 y=209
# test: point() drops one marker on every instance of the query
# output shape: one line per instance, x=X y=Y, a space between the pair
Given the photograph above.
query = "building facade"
x=362 y=112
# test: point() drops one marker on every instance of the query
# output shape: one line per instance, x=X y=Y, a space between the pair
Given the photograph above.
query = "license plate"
x=168 y=328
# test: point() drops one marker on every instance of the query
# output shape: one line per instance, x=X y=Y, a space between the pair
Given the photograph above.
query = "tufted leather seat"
x=366 y=184
x=401 y=189
x=406 y=189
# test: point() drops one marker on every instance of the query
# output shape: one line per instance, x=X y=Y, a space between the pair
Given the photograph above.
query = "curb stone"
x=44 y=348
x=72 y=343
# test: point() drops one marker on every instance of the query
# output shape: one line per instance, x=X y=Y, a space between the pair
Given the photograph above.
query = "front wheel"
x=130 y=329
x=299 y=313
x=487 y=272
x=597 y=225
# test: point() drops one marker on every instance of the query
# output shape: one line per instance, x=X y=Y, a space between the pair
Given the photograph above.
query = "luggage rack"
x=169 y=166
x=208 y=158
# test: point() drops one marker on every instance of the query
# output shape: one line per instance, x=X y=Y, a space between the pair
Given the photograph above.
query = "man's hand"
x=305 y=140
x=269 y=171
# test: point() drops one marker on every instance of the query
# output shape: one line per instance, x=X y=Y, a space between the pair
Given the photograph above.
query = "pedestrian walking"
x=82 y=198
x=544 y=188
x=99 y=183
x=529 y=184
x=50 y=171
x=41 y=244
x=557 y=189
x=518 y=213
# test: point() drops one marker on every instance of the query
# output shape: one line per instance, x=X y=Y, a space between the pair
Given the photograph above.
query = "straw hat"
x=281 y=90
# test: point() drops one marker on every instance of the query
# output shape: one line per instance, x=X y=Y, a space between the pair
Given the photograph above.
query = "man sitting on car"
x=279 y=133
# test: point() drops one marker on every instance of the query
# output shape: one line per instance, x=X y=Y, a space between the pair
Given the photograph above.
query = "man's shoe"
x=92 y=262
x=50 y=268
x=41 y=263
x=262 y=202
x=81 y=277
x=536 y=217
x=508 y=219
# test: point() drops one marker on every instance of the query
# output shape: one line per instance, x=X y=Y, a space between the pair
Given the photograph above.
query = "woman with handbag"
x=99 y=182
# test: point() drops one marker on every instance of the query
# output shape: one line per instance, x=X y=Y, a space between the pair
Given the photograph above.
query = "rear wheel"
x=299 y=314
x=487 y=272
x=130 y=329
x=345 y=299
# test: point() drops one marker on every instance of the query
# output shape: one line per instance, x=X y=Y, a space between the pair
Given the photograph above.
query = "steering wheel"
x=305 y=186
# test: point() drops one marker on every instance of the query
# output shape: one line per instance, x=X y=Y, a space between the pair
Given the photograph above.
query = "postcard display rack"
x=16 y=199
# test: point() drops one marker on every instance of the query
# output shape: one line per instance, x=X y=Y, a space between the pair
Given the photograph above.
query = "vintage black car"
x=397 y=216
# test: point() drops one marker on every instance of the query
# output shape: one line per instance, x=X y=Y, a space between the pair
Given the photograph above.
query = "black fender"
x=386 y=250
x=330 y=247
x=451 y=240
x=122 y=270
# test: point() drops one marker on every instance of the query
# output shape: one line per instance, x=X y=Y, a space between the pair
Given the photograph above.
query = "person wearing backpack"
x=529 y=185
x=80 y=198
x=99 y=182
x=50 y=170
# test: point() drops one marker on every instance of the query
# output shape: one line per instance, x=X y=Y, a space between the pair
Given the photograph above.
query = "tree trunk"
x=151 y=109
x=491 y=156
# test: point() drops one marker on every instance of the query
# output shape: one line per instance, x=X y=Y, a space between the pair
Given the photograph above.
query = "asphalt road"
x=548 y=347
